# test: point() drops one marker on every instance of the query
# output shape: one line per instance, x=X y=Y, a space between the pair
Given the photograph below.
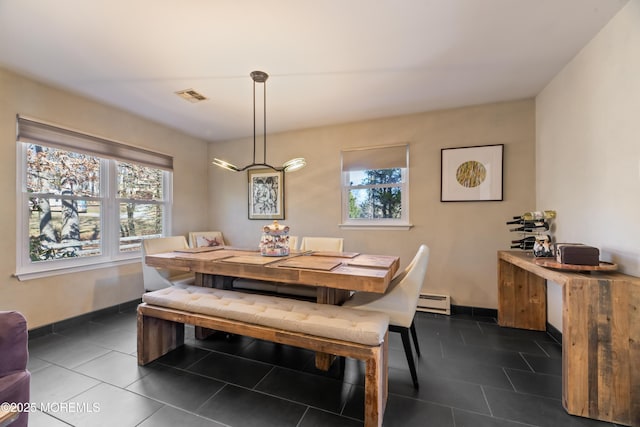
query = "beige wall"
x=588 y=147
x=463 y=237
x=44 y=301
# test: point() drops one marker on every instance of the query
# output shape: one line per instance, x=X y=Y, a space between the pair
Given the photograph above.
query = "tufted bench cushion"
x=321 y=320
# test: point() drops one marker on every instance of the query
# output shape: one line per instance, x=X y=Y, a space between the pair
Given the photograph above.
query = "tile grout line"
x=541 y=348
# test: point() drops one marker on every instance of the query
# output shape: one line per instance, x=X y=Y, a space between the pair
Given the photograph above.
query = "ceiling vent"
x=191 y=95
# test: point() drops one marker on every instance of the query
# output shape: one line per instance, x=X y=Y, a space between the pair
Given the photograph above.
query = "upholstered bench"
x=319 y=327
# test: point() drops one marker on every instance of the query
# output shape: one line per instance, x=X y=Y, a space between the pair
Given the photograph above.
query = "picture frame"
x=472 y=174
x=266 y=194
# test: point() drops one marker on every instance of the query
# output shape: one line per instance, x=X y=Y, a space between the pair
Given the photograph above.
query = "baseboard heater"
x=434 y=303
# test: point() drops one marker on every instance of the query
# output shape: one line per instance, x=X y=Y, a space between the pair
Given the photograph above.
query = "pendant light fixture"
x=289 y=166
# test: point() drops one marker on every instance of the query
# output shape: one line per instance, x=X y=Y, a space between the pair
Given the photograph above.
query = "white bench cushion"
x=322 y=320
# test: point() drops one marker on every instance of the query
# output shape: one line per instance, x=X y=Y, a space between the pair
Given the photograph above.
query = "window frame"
x=375 y=223
x=110 y=255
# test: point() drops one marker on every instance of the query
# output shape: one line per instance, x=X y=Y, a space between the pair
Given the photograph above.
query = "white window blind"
x=35 y=132
x=390 y=157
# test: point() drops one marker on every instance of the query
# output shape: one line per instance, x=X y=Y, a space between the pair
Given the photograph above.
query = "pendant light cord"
x=264 y=121
x=254 y=122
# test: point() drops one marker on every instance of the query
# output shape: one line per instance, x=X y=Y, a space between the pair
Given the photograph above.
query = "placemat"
x=200 y=249
x=376 y=261
x=310 y=263
x=248 y=259
x=335 y=254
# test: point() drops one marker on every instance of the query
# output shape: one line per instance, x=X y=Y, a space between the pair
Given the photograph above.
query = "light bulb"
x=225 y=165
x=294 y=164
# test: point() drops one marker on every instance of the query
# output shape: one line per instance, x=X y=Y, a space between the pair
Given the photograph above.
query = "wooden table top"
x=527 y=262
x=337 y=270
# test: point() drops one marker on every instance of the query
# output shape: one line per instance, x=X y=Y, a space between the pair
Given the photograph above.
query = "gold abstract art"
x=471 y=174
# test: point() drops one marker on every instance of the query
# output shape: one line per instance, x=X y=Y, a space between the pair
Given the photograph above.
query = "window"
x=375 y=187
x=85 y=200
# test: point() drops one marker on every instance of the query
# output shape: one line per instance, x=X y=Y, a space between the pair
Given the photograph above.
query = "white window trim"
x=111 y=254
x=382 y=223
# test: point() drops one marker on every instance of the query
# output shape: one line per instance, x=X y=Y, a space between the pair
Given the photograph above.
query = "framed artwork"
x=471 y=174
x=266 y=194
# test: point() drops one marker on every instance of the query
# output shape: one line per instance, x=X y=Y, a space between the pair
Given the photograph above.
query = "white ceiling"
x=329 y=61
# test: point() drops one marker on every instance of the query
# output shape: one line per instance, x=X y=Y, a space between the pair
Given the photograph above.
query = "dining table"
x=335 y=275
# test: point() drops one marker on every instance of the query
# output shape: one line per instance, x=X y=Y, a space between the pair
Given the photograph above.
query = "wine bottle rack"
x=534 y=232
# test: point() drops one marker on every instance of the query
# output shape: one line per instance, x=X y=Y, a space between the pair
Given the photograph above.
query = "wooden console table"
x=600 y=332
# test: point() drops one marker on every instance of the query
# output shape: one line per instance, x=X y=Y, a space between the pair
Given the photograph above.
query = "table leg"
x=206 y=281
x=600 y=350
x=522 y=298
x=334 y=297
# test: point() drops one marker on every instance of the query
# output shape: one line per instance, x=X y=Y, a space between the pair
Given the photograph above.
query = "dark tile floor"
x=472 y=373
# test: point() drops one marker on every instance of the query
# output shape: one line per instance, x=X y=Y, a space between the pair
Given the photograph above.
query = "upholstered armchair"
x=14 y=354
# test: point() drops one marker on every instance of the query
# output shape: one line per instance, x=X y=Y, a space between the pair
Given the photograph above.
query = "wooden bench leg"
x=157 y=337
x=376 y=386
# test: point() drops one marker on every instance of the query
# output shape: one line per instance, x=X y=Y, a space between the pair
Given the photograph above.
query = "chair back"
x=198 y=239
x=407 y=285
x=401 y=298
x=328 y=244
x=157 y=278
x=293 y=243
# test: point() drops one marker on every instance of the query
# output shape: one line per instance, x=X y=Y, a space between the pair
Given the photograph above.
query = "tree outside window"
x=140 y=196
x=64 y=204
x=377 y=195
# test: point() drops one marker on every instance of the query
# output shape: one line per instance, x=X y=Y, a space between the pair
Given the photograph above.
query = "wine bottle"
x=523 y=240
x=539 y=238
x=527 y=246
x=525 y=222
x=532 y=226
x=516 y=220
x=538 y=215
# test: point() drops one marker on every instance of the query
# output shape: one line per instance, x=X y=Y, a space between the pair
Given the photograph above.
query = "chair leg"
x=406 y=343
x=415 y=337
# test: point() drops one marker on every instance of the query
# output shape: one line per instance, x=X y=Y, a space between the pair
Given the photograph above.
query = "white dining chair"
x=328 y=244
x=399 y=302
x=293 y=243
x=198 y=239
x=160 y=278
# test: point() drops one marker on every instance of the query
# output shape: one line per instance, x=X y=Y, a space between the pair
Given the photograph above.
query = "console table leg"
x=522 y=298
x=601 y=350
